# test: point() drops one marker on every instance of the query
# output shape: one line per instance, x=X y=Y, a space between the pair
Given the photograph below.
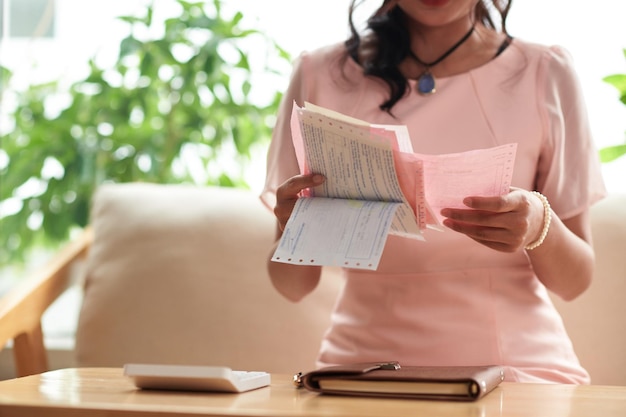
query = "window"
x=27 y=18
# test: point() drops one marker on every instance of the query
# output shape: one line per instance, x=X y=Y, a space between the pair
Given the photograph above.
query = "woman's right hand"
x=289 y=191
x=293 y=281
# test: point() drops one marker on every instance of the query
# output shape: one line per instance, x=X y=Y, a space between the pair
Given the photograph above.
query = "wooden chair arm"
x=22 y=308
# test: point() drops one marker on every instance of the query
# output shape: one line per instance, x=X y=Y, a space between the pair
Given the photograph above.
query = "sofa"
x=176 y=274
x=172 y=274
x=596 y=320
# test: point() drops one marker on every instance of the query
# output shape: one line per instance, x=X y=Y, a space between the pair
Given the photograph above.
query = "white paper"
x=327 y=231
x=375 y=186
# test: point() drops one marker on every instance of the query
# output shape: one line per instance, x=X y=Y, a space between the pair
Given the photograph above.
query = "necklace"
x=426 y=81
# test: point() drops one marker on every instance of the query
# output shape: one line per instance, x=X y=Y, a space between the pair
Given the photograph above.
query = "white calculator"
x=195 y=378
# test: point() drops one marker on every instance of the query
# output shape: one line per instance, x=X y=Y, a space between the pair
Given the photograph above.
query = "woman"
x=477 y=293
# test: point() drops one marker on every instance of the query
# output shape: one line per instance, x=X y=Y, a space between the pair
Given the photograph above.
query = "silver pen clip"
x=394 y=366
x=297 y=378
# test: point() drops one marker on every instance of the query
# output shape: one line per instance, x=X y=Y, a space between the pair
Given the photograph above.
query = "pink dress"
x=450 y=300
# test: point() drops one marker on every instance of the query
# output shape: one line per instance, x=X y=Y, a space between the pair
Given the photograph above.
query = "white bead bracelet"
x=547 y=218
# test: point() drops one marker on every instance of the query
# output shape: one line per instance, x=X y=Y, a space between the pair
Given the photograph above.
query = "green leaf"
x=617 y=80
x=611 y=153
x=129 y=46
x=130 y=19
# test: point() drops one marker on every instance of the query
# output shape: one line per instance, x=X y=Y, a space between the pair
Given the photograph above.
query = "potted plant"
x=181 y=107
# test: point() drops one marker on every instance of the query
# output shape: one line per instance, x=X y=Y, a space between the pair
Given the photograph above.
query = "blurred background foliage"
x=610 y=153
x=177 y=108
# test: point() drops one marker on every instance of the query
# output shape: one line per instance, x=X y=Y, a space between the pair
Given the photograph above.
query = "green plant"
x=610 y=153
x=175 y=108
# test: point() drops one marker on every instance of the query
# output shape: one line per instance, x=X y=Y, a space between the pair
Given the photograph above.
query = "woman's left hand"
x=505 y=223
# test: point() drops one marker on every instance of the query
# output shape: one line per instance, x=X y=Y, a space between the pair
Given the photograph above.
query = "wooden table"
x=106 y=392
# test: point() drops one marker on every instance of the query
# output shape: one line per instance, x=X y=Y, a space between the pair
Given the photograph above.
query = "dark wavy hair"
x=386 y=26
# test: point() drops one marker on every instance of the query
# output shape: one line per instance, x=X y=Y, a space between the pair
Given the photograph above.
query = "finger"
x=500 y=239
x=499 y=246
x=507 y=230
x=288 y=193
x=505 y=220
x=293 y=186
x=516 y=200
x=498 y=204
x=477 y=232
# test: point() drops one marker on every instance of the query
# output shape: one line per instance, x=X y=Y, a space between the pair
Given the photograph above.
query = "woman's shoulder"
x=553 y=54
x=324 y=56
x=329 y=70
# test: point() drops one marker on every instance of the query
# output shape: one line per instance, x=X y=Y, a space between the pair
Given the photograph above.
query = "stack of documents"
x=375 y=186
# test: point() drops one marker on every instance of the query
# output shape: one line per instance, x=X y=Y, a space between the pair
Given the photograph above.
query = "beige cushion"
x=596 y=321
x=177 y=274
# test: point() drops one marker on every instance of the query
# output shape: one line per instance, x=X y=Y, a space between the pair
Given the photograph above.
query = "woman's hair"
x=387 y=26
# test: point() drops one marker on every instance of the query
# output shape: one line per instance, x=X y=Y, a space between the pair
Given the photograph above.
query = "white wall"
x=594 y=32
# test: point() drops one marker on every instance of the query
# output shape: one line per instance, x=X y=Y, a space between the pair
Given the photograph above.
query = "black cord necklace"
x=426 y=81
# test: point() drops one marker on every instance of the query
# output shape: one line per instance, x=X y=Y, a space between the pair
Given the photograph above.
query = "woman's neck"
x=430 y=43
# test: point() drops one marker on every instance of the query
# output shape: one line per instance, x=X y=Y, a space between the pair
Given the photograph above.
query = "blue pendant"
x=426 y=83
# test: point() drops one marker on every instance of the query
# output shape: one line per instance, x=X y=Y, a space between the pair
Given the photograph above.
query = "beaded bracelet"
x=547 y=218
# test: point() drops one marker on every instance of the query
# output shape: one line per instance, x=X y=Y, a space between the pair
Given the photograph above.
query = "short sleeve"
x=281 y=157
x=569 y=171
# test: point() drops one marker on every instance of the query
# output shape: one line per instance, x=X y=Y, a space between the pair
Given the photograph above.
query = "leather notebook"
x=389 y=379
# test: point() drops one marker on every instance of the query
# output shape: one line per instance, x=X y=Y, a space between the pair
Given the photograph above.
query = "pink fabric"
x=449 y=300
